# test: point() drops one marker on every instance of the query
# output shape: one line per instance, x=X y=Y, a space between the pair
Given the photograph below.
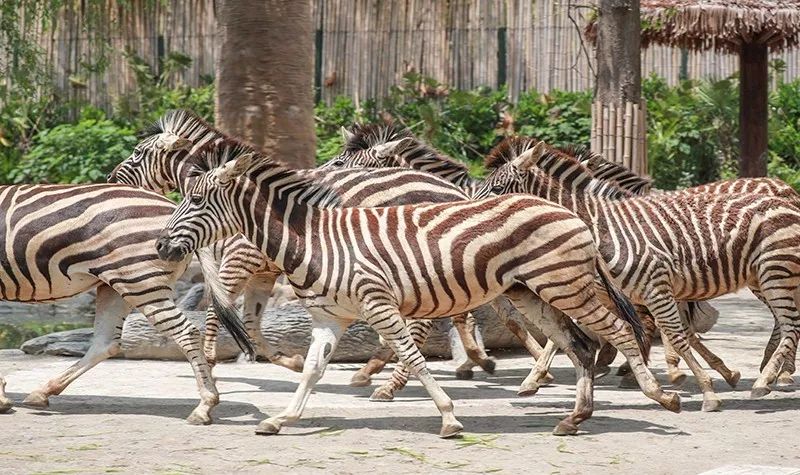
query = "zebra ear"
x=390 y=148
x=346 y=134
x=235 y=168
x=529 y=158
x=173 y=143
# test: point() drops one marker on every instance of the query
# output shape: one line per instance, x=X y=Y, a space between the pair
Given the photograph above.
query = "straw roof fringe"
x=721 y=25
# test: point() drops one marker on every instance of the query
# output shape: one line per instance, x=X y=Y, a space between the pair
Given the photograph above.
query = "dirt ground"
x=127 y=416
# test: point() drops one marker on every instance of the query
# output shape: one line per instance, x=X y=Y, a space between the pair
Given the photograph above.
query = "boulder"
x=287 y=329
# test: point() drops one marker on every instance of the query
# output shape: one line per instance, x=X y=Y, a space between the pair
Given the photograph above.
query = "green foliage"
x=12 y=336
x=75 y=153
x=559 y=118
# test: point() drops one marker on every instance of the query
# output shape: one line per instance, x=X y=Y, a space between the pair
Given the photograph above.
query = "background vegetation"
x=692 y=127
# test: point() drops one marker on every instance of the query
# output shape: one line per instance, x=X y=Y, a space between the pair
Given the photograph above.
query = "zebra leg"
x=5 y=402
x=376 y=363
x=162 y=313
x=665 y=310
x=731 y=377
x=605 y=357
x=543 y=357
x=788 y=369
x=256 y=294
x=674 y=374
x=325 y=335
x=783 y=304
x=385 y=318
x=419 y=330
x=465 y=326
x=579 y=348
x=110 y=315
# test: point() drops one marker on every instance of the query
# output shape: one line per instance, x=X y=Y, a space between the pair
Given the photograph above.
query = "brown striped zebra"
x=160 y=162
x=424 y=261
x=668 y=247
x=640 y=186
x=388 y=145
x=63 y=240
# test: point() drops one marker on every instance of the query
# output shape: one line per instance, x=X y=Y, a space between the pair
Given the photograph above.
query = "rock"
x=139 y=341
x=193 y=299
x=286 y=328
x=66 y=343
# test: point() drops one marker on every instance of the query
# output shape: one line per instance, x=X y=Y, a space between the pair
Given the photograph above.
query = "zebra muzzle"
x=169 y=250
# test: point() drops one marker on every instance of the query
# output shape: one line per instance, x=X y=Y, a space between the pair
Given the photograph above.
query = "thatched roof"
x=721 y=25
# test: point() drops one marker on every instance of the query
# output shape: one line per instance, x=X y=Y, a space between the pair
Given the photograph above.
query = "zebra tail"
x=223 y=307
x=625 y=308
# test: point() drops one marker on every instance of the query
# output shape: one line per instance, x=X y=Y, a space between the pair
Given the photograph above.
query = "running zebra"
x=668 y=247
x=425 y=261
x=63 y=240
x=161 y=162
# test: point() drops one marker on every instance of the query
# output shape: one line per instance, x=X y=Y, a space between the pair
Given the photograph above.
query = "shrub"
x=75 y=153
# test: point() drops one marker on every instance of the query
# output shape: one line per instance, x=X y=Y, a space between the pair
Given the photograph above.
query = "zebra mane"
x=563 y=165
x=183 y=123
x=366 y=136
x=418 y=155
x=265 y=169
x=607 y=170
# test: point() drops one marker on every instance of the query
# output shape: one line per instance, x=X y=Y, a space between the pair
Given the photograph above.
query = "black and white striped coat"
x=61 y=240
x=426 y=261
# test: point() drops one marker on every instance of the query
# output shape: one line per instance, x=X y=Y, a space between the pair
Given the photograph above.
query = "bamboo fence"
x=366 y=46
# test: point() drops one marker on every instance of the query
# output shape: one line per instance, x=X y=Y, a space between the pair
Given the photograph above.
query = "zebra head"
x=372 y=146
x=159 y=161
x=207 y=213
x=513 y=161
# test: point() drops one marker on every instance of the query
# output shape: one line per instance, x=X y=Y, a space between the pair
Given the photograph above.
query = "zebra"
x=668 y=247
x=160 y=162
x=640 y=186
x=63 y=240
x=389 y=145
x=419 y=261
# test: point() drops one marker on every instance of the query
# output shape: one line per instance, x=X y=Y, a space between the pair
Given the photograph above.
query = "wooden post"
x=618 y=132
x=753 y=110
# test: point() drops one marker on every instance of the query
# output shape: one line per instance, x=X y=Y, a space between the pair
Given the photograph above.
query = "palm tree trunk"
x=265 y=76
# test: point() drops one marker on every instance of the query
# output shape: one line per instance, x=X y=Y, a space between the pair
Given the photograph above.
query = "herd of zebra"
x=395 y=233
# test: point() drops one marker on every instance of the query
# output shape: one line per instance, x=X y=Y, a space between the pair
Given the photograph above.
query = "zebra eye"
x=196 y=199
x=497 y=189
x=338 y=162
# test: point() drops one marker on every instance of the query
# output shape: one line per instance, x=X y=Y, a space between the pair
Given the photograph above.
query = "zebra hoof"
x=624 y=369
x=360 y=380
x=734 y=379
x=5 y=405
x=267 y=427
x=601 y=371
x=565 y=428
x=450 y=430
x=464 y=374
x=672 y=402
x=488 y=365
x=785 y=379
x=37 y=400
x=628 y=382
x=528 y=390
x=677 y=378
x=711 y=404
x=198 y=419
x=756 y=393
x=546 y=379
x=382 y=394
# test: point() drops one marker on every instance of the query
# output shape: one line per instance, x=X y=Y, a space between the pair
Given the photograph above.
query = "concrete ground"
x=127 y=416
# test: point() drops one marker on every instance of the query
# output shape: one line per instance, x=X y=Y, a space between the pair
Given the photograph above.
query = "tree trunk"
x=265 y=75
x=618 y=113
x=753 y=89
